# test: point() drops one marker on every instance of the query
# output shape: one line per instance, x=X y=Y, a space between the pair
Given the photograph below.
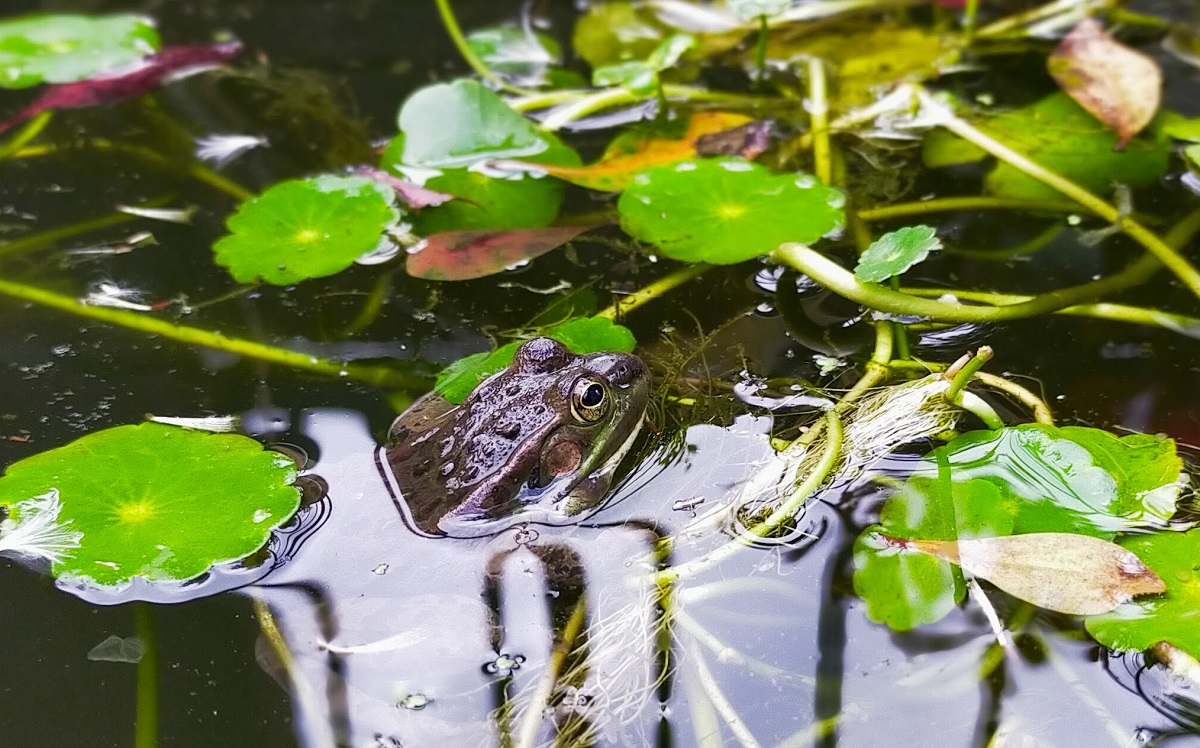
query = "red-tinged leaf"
x=145 y=75
x=463 y=255
x=748 y=140
x=1075 y=574
x=635 y=151
x=1117 y=85
x=414 y=195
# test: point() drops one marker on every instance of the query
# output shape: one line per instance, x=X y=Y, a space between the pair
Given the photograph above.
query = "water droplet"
x=414 y=702
x=806 y=181
x=736 y=165
x=685 y=166
x=836 y=199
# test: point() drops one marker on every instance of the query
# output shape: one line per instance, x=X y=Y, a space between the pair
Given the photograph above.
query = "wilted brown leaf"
x=1075 y=574
x=1119 y=86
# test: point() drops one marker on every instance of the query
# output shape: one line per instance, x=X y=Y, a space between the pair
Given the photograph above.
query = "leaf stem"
x=1173 y=261
x=818 y=111
x=146 y=725
x=947 y=204
x=30 y=130
x=807 y=487
x=195 y=169
x=628 y=303
x=454 y=31
x=376 y=375
x=1039 y=408
x=760 y=50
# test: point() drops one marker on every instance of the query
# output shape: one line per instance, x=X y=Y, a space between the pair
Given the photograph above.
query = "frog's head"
x=538 y=441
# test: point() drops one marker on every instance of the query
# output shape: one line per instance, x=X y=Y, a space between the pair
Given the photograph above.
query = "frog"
x=539 y=441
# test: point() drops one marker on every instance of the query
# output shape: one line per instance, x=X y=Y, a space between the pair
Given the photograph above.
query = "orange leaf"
x=636 y=151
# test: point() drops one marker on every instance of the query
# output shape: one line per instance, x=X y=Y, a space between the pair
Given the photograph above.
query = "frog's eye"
x=589 y=400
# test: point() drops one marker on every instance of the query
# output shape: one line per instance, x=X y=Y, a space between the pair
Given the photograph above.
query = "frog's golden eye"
x=589 y=400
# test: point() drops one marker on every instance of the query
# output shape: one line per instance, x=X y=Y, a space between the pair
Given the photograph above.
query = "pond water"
x=399 y=640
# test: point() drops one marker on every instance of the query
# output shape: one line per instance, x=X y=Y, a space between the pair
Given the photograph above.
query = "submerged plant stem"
x=1171 y=259
x=807 y=487
x=947 y=204
x=195 y=169
x=454 y=31
x=376 y=375
x=626 y=304
x=146 y=726
x=818 y=111
x=30 y=130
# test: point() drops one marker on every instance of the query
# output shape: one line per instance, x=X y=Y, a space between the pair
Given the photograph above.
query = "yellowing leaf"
x=636 y=151
x=1119 y=86
x=1075 y=574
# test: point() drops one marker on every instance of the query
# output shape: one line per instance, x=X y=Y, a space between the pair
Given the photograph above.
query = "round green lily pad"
x=61 y=48
x=895 y=252
x=727 y=210
x=148 y=500
x=1171 y=617
x=306 y=228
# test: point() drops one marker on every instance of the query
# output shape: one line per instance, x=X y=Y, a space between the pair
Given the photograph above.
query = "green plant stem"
x=1041 y=411
x=969 y=15
x=146 y=726
x=544 y=99
x=454 y=31
x=807 y=487
x=628 y=303
x=948 y=204
x=974 y=364
x=842 y=282
x=1171 y=259
x=1134 y=315
x=818 y=110
x=595 y=102
x=760 y=50
x=1039 y=13
x=376 y=375
x=195 y=169
x=28 y=131
x=40 y=239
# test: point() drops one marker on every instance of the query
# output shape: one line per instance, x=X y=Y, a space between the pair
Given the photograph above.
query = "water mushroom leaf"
x=453 y=158
x=150 y=500
x=465 y=255
x=1172 y=617
x=60 y=48
x=895 y=252
x=306 y=228
x=1068 y=573
x=727 y=210
x=1061 y=136
x=1119 y=86
x=636 y=149
x=1012 y=481
x=583 y=335
x=641 y=77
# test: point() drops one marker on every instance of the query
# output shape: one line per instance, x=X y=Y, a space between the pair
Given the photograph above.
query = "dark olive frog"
x=539 y=441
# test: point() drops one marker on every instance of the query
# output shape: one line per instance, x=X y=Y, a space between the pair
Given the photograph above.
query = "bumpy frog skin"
x=538 y=442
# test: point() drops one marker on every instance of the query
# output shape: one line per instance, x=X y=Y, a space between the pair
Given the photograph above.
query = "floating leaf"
x=64 y=48
x=522 y=56
x=457 y=124
x=1012 y=481
x=726 y=210
x=1120 y=86
x=641 y=77
x=483 y=129
x=152 y=501
x=585 y=335
x=616 y=31
x=413 y=195
x=1171 y=618
x=1060 y=135
x=129 y=81
x=750 y=9
x=306 y=228
x=1068 y=573
x=638 y=149
x=463 y=255
x=895 y=252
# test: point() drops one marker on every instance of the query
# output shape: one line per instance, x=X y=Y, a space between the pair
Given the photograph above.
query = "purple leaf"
x=464 y=255
x=171 y=63
x=415 y=195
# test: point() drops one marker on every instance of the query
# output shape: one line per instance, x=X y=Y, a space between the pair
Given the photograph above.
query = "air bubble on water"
x=380 y=570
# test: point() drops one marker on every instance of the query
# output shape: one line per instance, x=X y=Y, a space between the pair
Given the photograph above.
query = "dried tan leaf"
x=1119 y=86
x=1075 y=574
